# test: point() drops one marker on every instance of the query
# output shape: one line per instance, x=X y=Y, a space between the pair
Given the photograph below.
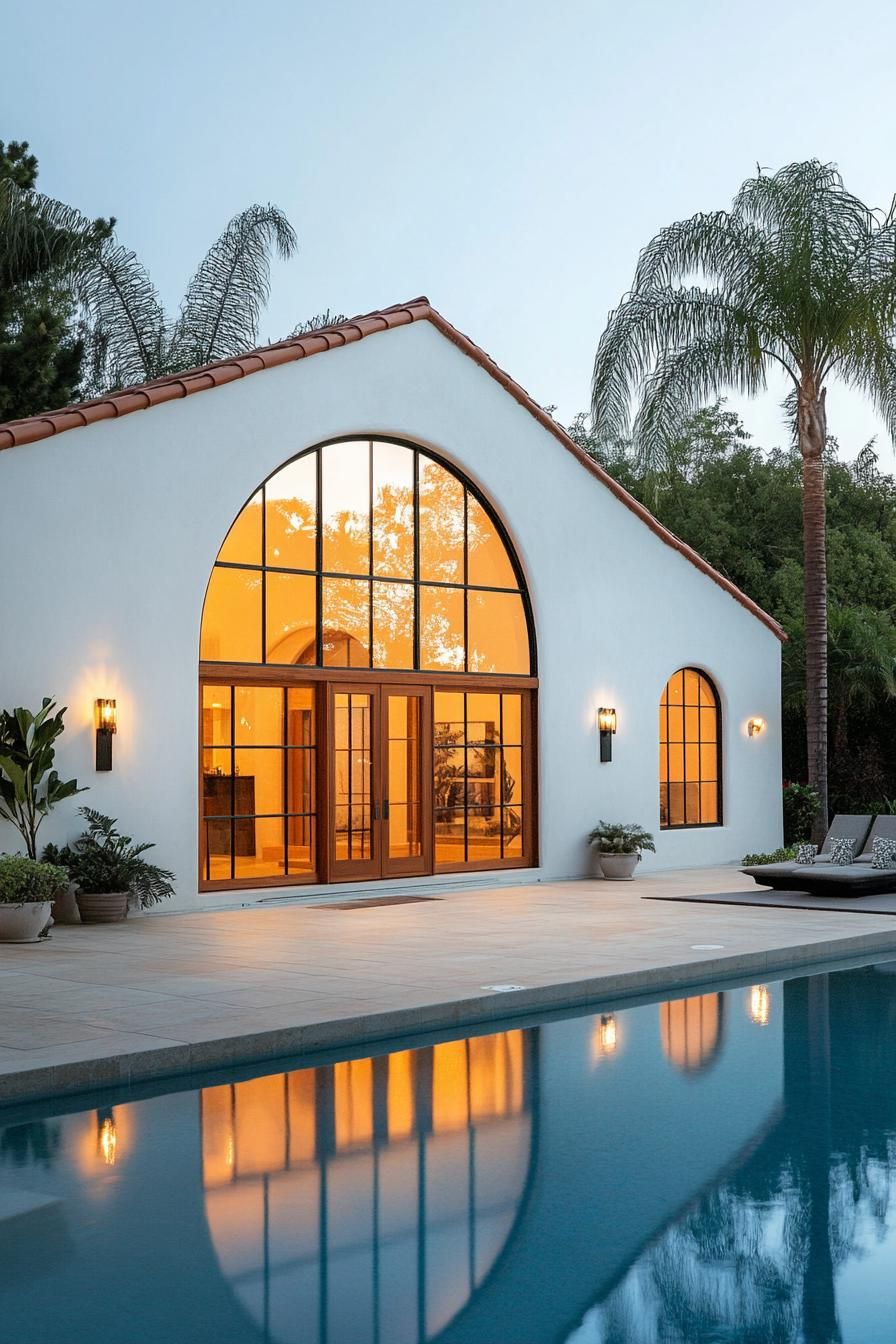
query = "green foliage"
x=787 y=854
x=800 y=809
x=103 y=860
x=29 y=786
x=740 y=507
x=133 y=340
x=43 y=245
x=616 y=837
x=25 y=881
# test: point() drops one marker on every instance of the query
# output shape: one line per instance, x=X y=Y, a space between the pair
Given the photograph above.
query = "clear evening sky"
x=508 y=158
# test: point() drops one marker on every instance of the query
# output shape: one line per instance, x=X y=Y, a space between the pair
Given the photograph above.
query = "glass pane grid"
x=390 y=562
x=689 y=752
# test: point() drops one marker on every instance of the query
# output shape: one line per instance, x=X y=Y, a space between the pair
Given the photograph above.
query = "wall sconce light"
x=760 y=1005
x=105 y=718
x=755 y=726
x=606 y=726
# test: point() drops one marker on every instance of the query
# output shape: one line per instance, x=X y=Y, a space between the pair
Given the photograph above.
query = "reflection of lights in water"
x=760 y=1005
x=604 y=1038
x=107 y=1139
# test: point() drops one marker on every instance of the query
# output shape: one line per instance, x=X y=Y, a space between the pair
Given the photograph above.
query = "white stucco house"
x=358 y=616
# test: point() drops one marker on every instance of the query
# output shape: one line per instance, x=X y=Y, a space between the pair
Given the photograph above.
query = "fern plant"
x=617 y=837
x=103 y=860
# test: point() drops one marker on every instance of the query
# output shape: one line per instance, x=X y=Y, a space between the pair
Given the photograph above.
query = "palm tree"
x=798 y=275
x=133 y=340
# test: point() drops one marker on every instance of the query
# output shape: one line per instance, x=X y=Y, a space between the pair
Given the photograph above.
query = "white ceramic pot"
x=618 y=867
x=23 y=923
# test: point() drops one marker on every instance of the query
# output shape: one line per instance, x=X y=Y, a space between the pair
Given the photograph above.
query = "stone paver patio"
x=157 y=996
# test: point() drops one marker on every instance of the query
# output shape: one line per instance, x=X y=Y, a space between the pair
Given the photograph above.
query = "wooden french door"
x=380 y=780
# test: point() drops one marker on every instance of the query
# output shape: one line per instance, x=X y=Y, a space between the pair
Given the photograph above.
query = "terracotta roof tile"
x=17 y=433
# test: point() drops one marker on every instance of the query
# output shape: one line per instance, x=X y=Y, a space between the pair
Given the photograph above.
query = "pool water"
x=703 y=1170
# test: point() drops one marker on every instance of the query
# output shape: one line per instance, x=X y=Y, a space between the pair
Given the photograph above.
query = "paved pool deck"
x=168 y=995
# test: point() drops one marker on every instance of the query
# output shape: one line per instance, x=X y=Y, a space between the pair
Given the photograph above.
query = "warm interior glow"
x=760 y=1005
x=689 y=731
x=261 y=599
x=359 y=556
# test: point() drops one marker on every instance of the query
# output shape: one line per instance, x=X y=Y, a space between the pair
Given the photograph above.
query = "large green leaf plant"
x=29 y=786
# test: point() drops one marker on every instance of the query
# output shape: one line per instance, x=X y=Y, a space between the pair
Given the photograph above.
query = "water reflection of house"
x=487 y=1190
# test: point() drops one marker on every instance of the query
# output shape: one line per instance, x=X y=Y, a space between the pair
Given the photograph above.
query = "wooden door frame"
x=422 y=866
x=355 y=870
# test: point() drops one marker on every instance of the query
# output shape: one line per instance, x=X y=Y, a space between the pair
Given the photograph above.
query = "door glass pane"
x=393 y=511
x=497 y=634
x=442 y=629
x=449 y=835
x=353 y=774
x=290 y=519
x=483 y=718
x=258 y=781
x=512 y=775
x=231 y=617
x=345 y=507
x=487 y=560
x=258 y=847
x=242 y=545
x=346 y=623
x=403 y=781
x=483 y=834
x=393 y=625
x=512 y=830
x=290 y=624
x=441 y=538
x=512 y=720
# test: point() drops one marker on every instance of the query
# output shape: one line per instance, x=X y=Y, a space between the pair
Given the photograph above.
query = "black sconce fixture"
x=606 y=725
x=105 y=717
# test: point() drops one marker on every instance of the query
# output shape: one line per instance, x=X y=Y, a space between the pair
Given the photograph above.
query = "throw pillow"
x=805 y=854
x=842 y=851
x=883 y=853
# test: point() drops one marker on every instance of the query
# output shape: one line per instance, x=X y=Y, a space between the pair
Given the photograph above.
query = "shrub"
x=800 y=807
x=29 y=786
x=23 y=881
x=777 y=856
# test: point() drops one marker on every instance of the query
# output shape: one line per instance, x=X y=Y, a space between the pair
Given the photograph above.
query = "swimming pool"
x=720 y=1167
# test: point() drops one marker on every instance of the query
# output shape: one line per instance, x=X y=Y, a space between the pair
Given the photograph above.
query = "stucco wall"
x=112 y=530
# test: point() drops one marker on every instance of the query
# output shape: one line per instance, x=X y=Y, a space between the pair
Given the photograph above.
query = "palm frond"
x=128 y=339
x=39 y=234
x=221 y=310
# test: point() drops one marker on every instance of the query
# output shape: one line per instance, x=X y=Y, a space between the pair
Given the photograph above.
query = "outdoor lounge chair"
x=823 y=878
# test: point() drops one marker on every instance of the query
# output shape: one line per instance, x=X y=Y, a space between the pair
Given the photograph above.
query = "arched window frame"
x=319 y=572
x=666 y=780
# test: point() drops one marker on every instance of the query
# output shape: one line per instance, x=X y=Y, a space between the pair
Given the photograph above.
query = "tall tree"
x=42 y=245
x=133 y=340
x=798 y=275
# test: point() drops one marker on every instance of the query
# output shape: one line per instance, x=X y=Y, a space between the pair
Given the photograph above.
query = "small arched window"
x=690 y=751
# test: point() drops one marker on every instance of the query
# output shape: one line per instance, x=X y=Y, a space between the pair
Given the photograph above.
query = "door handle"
x=376 y=811
x=385 y=809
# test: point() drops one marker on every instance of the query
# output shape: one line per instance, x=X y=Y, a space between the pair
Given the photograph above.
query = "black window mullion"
x=699 y=752
x=264 y=574
x=284 y=733
x=501 y=766
x=466 y=576
x=370 y=553
x=232 y=782
x=466 y=790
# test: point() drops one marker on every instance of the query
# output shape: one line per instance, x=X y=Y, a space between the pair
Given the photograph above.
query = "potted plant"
x=108 y=868
x=29 y=786
x=619 y=847
x=27 y=889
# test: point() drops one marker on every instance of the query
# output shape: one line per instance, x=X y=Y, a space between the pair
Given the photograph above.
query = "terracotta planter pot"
x=65 y=906
x=618 y=867
x=23 y=923
x=107 y=907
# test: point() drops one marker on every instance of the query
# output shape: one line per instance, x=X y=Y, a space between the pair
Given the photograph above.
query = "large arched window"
x=367 y=666
x=690 y=751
